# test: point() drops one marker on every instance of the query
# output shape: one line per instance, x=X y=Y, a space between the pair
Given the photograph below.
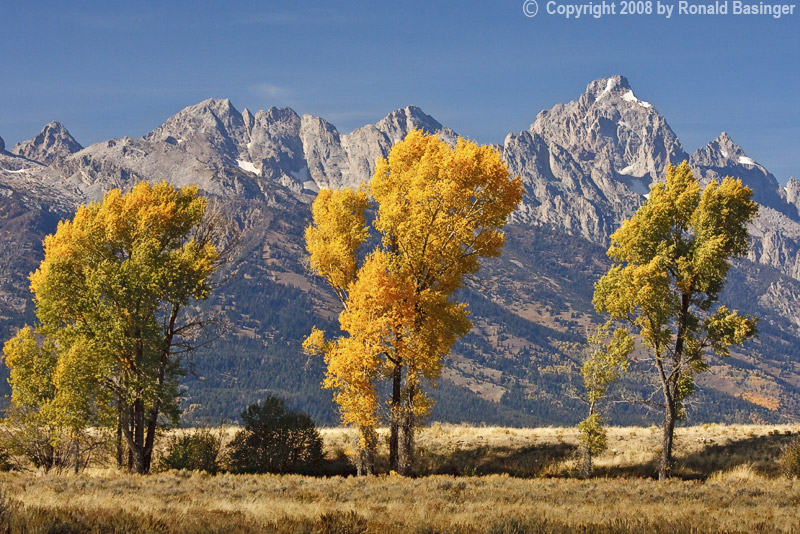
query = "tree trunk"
x=138 y=440
x=119 y=440
x=665 y=467
x=365 y=455
x=77 y=455
x=395 y=415
x=406 y=460
x=133 y=430
x=152 y=425
x=586 y=467
x=152 y=421
x=670 y=387
x=48 y=457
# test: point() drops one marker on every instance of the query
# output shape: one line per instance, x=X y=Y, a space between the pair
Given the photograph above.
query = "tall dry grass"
x=552 y=451
x=731 y=484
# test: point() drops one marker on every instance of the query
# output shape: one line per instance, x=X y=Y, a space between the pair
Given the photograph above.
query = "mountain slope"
x=586 y=165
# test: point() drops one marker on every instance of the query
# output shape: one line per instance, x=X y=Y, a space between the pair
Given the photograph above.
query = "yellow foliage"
x=333 y=245
x=108 y=297
x=439 y=210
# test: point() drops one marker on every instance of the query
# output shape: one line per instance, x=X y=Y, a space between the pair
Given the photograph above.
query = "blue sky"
x=107 y=69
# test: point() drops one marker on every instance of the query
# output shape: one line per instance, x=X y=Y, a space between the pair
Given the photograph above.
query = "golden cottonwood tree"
x=438 y=211
x=111 y=297
x=671 y=262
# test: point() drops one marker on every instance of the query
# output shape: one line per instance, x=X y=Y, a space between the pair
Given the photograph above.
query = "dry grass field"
x=485 y=479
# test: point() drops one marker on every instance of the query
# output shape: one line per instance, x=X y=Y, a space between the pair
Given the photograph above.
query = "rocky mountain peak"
x=53 y=142
x=616 y=92
x=222 y=107
x=398 y=123
x=275 y=114
x=210 y=114
x=721 y=152
x=212 y=130
x=407 y=119
x=723 y=157
x=611 y=132
x=605 y=87
x=248 y=118
x=2 y=145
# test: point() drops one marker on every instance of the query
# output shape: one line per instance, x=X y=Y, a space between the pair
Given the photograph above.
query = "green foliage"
x=593 y=434
x=111 y=296
x=609 y=357
x=608 y=360
x=671 y=262
x=275 y=440
x=195 y=451
x=672 y=259
x=790 y=459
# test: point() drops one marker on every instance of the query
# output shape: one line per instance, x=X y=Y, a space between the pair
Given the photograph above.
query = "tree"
x=438 y=211
x=30 y=374
x=275 y=440
x=30 y=429
x=671 y=261
x=603 y=367
x=112 y=297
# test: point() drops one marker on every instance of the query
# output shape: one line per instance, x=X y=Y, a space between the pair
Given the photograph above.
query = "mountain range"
x=587 y=165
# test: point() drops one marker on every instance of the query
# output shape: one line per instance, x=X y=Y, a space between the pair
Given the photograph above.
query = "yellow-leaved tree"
x=111 y=301
x=671 y=260
x=438 y=211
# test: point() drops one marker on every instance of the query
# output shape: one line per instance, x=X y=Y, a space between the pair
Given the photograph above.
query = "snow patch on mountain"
x=630 y=97
x=247 y=166
x=609 y=85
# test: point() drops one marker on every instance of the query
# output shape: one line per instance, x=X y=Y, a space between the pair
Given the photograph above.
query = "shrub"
x=5 y=459
x=790 y=459
x=24 y=439
x=275 y=440
x=196 y=451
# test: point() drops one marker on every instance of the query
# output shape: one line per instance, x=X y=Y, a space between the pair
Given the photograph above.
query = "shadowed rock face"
x=2 y=145
x=793 y=191
x=54 y=142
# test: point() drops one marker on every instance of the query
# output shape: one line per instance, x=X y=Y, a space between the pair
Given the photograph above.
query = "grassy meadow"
x=476 y=480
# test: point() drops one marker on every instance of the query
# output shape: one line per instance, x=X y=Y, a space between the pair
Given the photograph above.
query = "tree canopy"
x=671 y=260
x=111 y=300
x=438 y=211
